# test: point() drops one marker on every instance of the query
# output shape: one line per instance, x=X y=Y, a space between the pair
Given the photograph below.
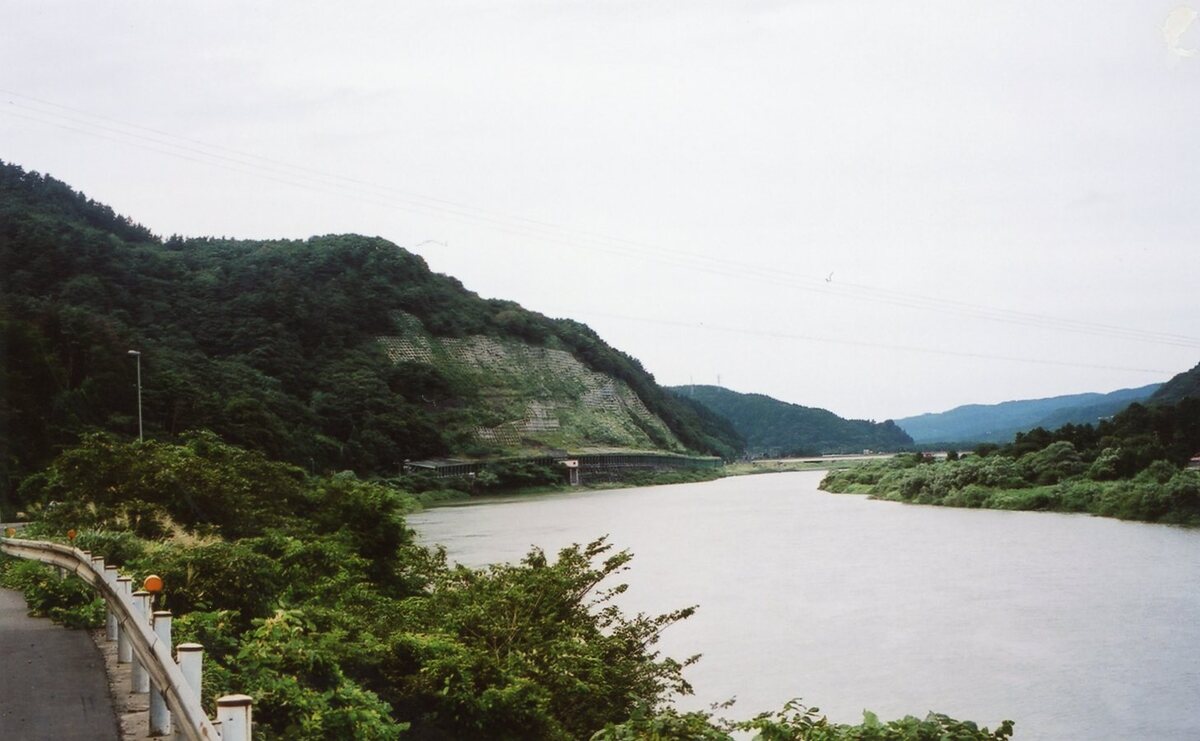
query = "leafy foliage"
x=797 y=722
x=65 y=600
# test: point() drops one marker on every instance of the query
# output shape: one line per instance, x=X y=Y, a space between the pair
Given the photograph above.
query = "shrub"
x=65 y=600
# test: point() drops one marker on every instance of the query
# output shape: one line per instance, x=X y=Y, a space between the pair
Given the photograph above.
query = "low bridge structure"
x=606 y=464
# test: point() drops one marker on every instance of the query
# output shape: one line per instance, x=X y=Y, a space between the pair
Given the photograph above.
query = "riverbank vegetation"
x=310 y=594
x=1130 y=467
x=775 y=465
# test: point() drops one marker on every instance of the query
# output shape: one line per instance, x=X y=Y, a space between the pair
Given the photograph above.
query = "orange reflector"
x=153 y=584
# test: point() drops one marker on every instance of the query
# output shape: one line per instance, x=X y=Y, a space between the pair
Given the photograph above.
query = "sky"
x=881 y=208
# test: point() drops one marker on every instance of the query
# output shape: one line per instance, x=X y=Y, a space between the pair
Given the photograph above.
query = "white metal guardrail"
x=149 y=648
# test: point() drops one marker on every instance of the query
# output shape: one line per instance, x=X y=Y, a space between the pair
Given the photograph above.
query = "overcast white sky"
x=683 y=177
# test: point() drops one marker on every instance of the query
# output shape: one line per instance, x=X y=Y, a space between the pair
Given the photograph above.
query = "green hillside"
x=1186 y=385
x=332 y=353
x=777 y=428
x=975 y=423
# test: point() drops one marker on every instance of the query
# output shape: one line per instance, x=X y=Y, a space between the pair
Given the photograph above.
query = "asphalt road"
x=52 y=681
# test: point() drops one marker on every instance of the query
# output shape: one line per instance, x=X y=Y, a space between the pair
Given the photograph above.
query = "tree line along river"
x=1073 y=626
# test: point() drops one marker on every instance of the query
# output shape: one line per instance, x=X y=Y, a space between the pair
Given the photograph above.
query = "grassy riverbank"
x=1159 y=493
x=784 y=465
x=629 y=479
x=626 y=480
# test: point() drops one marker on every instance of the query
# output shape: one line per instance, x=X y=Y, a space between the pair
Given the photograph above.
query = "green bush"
x=116 y=547
x=797 y=722
x=68 y=600
x=217 y=576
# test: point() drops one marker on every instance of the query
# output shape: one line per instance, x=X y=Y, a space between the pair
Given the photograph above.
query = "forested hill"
x=777 y=428
x=1186 y=385
x=976 y=423
x=333 y=353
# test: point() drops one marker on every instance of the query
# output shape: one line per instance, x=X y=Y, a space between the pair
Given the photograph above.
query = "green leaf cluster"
x=797 y=722
x=65 y=600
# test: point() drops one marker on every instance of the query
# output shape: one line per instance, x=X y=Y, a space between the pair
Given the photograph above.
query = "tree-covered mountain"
x=332 y=353
x=976 y=423
x=776 y=428
x=1186 y=385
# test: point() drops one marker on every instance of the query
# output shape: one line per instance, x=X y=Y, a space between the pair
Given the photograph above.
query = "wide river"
x=1075 y=627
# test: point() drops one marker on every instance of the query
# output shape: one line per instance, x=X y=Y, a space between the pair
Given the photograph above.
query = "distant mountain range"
x=999 y=422
x=777 y=428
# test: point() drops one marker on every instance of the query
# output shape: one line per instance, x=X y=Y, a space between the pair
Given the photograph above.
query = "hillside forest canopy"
x=273 y=345
x=775 y=428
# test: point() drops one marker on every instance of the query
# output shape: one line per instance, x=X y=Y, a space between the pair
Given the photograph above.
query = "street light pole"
x=137 y=354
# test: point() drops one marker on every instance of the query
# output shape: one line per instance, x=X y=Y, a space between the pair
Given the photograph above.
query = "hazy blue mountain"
x=774 y=427
x=999 y=422
x=1186 y=385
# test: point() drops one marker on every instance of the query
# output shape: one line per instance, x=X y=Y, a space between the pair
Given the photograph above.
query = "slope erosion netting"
x=529 y=396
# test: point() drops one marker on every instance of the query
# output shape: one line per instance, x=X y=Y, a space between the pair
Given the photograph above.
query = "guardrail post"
x=139 y=679
x=111 y=625
x=124 y=643
x=190 y=657
x=233 y=713
x=191 y=663
x=160 y=717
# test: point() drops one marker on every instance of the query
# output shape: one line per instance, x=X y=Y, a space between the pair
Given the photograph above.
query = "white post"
x=191 y=662
x=160 y=717
x=139 y=679
x=111 y=624
x=124 y=644
x=190 y=657
x=233 y=713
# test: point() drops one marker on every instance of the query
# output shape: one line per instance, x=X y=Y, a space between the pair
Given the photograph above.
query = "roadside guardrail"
x=144 y=640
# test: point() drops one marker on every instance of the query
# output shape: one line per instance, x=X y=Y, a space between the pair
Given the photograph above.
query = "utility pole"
x=137 y=354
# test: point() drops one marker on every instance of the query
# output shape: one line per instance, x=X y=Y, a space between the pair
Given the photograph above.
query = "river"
x=1075 y=627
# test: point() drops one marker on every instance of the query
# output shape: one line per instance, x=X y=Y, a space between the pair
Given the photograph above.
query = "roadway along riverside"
x=52 y=680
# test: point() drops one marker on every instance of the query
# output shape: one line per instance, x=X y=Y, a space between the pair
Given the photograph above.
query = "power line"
x=863 y=343
x=249 y=164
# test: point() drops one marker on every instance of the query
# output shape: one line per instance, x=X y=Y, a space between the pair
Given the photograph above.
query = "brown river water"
x=1075 y=627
